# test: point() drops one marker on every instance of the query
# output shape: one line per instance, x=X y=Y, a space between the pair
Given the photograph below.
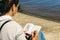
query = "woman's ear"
x=13 y=8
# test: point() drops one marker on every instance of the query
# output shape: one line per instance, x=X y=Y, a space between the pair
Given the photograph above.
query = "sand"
x=51 y=29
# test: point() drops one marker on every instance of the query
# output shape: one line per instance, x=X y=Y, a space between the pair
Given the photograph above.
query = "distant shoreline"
x=41 y=14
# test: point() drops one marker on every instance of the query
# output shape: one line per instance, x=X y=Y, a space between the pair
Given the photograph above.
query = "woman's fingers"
x=35 y=35
x=32 y=34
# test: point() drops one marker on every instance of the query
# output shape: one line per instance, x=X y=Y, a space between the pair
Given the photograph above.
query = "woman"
x=10 y=30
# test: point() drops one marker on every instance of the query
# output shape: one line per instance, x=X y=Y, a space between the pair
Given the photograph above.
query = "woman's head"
x=8 y=6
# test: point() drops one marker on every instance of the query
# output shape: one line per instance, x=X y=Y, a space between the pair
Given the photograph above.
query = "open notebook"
x=29 y=27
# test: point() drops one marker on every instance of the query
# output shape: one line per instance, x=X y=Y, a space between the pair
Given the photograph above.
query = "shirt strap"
x=4 y=24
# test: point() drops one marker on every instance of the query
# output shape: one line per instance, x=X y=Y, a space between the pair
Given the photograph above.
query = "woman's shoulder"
x=13 y=25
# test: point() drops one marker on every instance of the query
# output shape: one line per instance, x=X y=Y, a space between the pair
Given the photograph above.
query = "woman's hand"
x=35 y=35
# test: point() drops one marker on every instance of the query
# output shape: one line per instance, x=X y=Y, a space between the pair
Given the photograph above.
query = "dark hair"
x=5 y=5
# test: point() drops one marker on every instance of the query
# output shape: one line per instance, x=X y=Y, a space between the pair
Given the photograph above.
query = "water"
x=36 y=6
x=42 y=3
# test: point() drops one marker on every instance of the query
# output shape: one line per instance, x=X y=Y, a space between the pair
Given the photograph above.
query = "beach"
x=51 y=29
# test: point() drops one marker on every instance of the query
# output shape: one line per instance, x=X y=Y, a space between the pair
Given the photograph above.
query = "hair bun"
x=1 y=6
x=0 y=0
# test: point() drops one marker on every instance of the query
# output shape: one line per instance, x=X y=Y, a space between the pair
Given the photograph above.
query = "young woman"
x=9 y=29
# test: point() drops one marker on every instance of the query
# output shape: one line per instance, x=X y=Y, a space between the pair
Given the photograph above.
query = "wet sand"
x=50 y=28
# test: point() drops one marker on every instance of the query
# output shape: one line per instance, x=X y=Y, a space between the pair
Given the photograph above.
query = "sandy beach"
x=51 y=29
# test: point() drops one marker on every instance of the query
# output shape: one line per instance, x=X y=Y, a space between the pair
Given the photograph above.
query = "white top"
x=11 y=30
